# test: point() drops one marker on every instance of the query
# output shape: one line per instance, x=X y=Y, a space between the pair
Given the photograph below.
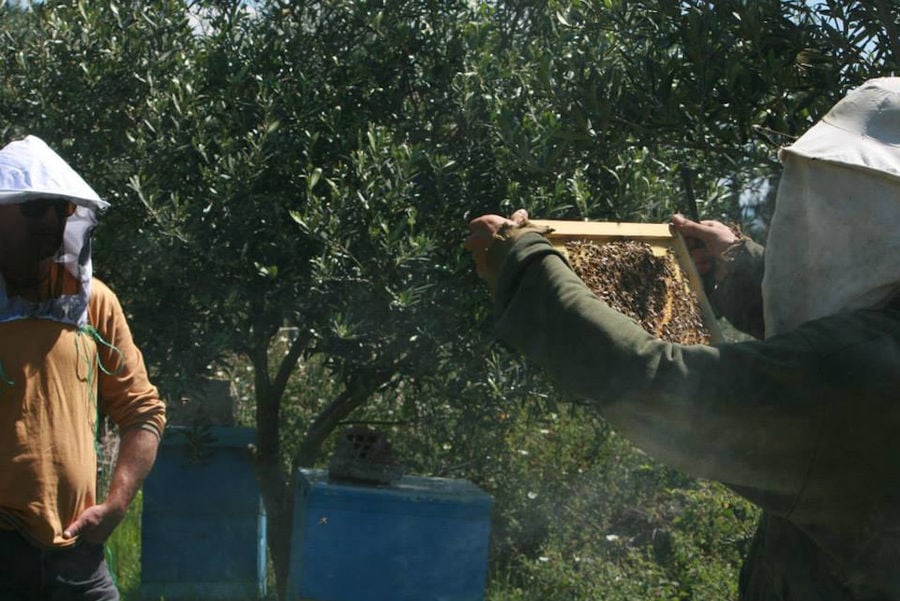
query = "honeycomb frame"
x=663 y=242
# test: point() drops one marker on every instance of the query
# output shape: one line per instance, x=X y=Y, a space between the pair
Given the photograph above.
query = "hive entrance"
x=631 y=278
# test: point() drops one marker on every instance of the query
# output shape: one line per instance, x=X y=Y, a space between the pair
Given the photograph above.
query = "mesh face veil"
x=39 y=181
x=835 y=235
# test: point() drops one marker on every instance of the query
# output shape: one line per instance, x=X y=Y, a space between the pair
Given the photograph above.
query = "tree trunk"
x=278 y=488
x=278 y=496
x=278 y=499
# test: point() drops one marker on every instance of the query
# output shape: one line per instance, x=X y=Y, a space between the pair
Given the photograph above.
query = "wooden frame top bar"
x=604 y=229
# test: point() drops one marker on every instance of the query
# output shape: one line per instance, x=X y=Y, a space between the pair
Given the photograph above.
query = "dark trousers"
x=28 y=573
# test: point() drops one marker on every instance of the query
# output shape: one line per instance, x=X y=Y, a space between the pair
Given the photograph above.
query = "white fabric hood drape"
x=834 y=241
x=30 y=170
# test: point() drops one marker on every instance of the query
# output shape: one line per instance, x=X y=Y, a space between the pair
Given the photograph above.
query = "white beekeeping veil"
x=30 y=171
x=834 y=243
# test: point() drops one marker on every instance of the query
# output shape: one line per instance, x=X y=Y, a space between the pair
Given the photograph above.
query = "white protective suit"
x=834 y=242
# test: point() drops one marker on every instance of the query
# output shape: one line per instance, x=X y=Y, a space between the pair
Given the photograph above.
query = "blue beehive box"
x=203 y=524
x=420 y=539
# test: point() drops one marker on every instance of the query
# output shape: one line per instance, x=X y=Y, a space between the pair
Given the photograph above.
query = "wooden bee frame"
x=662 y=240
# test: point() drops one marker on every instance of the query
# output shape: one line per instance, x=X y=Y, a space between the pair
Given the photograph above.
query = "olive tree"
x=311 y=166
x=287 y=184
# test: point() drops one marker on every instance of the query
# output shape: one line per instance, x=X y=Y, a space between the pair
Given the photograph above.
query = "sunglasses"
x=36 y=209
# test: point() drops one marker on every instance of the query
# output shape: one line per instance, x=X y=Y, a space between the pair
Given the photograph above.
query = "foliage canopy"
x=309 y=168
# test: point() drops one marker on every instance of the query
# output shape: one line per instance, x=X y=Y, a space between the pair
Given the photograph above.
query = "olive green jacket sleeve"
x=738 y=297
x=750 y=414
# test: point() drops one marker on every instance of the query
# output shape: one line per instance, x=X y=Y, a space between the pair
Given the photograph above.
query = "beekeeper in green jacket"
x=804 y=422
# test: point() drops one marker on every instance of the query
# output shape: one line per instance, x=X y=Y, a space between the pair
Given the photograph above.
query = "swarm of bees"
x=629 y=277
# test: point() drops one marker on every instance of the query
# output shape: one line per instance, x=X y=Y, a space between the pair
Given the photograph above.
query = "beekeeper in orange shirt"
x=66 y=357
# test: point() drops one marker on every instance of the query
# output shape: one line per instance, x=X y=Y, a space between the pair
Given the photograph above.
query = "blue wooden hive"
x=203 y=529
x=419 y=539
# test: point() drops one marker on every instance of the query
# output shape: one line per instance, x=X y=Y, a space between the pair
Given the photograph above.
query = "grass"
x=123 y=552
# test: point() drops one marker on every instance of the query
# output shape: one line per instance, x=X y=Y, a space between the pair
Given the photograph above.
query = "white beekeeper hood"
x=834 y=242
x=30 y=170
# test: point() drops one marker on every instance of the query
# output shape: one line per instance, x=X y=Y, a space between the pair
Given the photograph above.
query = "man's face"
x=32 y=231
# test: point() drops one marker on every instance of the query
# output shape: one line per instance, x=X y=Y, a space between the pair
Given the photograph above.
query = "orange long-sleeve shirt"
x=53 y=377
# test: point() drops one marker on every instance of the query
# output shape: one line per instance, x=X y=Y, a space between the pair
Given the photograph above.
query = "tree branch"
x=286 y=367
x=359 y=389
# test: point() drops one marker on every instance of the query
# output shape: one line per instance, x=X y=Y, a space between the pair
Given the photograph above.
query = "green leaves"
x=313 y=165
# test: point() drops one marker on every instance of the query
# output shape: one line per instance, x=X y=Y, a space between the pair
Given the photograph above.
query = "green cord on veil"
x=92 y=392
x=91 y=375
x=92 y=331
